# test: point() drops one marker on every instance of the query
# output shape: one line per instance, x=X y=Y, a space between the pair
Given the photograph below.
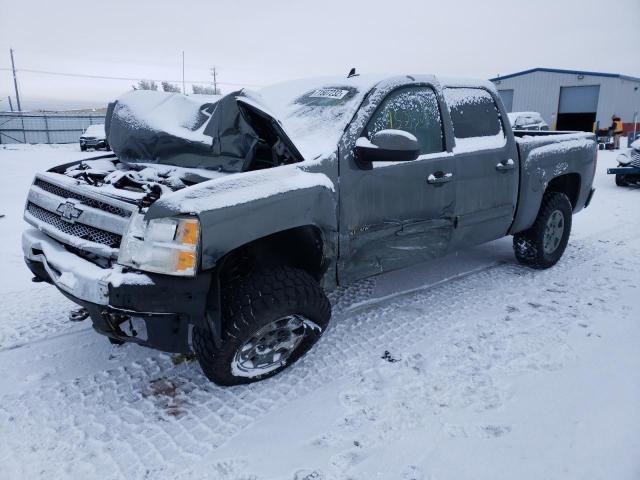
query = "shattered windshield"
x=315 y=115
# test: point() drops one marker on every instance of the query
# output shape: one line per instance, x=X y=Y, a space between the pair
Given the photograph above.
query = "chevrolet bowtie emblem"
x=68 y=211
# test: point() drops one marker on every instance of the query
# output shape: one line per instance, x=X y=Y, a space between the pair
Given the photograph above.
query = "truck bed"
x=545 y=156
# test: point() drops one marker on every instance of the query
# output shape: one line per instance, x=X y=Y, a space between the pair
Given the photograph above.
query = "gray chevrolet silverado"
x=219 y=223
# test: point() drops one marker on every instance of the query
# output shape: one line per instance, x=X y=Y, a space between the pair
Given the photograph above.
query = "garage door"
x=577 y=108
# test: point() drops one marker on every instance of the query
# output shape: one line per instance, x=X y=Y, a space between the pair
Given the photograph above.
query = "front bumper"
x=624 y=171
x=114 y=298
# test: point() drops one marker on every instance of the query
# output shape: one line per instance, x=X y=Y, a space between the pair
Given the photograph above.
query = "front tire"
x=270 y=318
x=542 y=245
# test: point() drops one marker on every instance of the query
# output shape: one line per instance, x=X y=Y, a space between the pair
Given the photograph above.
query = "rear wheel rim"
x=271 y=346
x=553 y=232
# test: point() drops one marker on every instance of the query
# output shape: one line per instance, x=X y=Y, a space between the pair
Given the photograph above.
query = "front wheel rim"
x=270 y=347
x=553 y=232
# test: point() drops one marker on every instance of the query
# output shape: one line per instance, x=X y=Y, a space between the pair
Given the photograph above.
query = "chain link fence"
x=45 y=127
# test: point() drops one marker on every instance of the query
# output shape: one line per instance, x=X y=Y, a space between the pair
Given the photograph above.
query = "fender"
x=240 y=208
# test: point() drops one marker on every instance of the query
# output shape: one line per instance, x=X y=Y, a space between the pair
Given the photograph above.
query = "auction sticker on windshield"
x=336 y=93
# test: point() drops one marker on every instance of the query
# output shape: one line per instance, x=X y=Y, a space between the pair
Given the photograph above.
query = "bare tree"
x=205 y=90
x=146 y=85
x=170 y=87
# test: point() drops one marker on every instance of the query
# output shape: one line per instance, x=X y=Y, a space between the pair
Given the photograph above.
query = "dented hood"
x=197 y=131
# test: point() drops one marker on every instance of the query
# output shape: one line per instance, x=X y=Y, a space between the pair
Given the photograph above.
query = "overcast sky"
x=261 y=42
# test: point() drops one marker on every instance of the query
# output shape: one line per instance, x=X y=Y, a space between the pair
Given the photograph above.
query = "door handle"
x=505 y=165
x=439 y=178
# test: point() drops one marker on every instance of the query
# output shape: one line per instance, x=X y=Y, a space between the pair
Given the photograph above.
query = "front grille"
x=79 y=230
x=90 y=202
x=635 y=158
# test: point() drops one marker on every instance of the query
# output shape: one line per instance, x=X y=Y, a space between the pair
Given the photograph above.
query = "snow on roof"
x=313 y=112
x=457 y=82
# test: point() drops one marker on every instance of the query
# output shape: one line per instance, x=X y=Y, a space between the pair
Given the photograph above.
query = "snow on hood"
x=231 y=190
x=535 y=116
x=176 y=114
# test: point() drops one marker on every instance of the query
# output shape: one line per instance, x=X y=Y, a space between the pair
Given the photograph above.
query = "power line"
x=129 y=79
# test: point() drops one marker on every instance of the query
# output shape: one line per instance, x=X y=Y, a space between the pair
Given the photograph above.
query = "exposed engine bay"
x=166 y=142
x=139 y=183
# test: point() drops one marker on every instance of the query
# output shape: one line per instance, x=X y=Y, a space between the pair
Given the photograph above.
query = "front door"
x=394 y=214
x=487 y=167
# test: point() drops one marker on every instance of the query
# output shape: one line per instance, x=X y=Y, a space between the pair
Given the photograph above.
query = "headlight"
x=624 y=159
x=163 y=245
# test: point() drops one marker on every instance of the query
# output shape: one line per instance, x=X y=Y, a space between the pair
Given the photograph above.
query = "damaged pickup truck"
x=219 y=223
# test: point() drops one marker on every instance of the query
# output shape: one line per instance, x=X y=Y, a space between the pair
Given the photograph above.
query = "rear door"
x=487 y=167
x=391 y=215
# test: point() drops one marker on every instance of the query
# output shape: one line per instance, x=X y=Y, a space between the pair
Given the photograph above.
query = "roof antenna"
x=352 y=73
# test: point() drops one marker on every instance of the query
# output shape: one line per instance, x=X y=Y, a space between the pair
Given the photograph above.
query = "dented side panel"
x=390 y=217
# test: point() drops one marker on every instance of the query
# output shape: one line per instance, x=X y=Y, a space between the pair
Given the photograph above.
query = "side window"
x=474 y=114
x=414 y=110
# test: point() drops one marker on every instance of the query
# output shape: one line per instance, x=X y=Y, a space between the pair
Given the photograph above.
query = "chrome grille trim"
x=91 y=202
x=93 y=217
x=80 y=230
x=94 y=223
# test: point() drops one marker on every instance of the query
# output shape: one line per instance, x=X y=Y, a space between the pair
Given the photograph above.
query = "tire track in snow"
x=151 y=415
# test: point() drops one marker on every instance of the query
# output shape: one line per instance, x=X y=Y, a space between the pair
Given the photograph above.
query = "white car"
x=94 y=137
x=527 y=121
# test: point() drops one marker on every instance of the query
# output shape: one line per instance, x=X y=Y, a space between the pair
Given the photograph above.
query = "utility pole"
x=10 y=103
x=184 y=90
x=15 y=80
x=215 y=80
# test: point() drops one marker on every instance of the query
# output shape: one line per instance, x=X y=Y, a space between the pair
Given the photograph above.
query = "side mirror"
x=388 y=146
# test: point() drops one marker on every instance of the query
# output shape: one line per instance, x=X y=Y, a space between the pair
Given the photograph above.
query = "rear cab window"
x=476 y=119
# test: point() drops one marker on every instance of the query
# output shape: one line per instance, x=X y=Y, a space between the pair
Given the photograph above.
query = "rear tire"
x=621 y=181
x=542 y=245
x=270 y=318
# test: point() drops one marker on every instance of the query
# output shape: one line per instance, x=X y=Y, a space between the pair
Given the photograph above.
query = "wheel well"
x=569 y=184
x=300 y=247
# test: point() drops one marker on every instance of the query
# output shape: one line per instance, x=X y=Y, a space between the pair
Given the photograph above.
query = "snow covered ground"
x=470 y=367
